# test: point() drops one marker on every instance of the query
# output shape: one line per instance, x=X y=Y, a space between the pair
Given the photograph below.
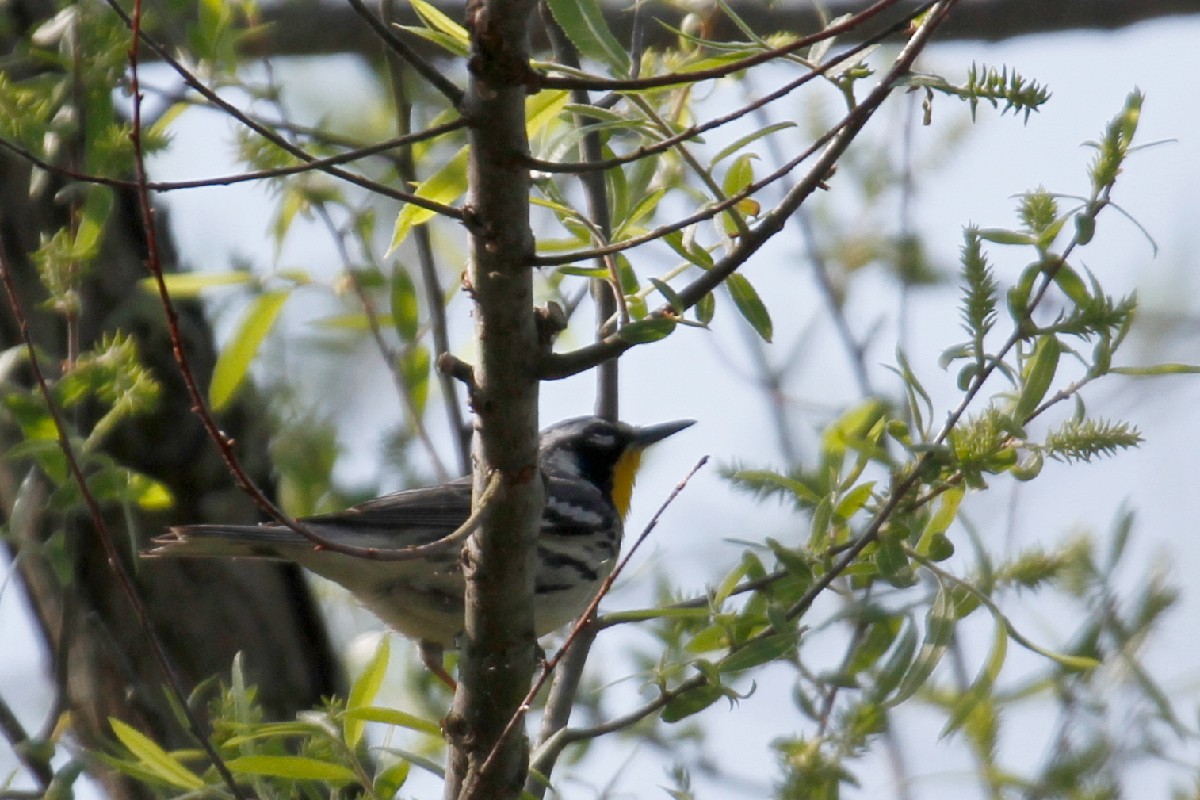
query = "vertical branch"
x=435 y=295
x=596 y=189
x=499 y=646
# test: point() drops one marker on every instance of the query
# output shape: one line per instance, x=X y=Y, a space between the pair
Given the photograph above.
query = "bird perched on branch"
x=416 y=584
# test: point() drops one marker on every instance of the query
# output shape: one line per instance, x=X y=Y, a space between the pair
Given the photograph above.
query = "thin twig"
x=401 y=48
x=18 y=740
x=199 y=406
x=112 y=554
x=675 y=79
x=274 y=138
x=241 y=177
x=696 y=130
x=582 y=623
x=561 y=365
x=435 y=295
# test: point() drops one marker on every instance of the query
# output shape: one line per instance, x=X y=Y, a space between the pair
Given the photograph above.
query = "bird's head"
x=605 y=453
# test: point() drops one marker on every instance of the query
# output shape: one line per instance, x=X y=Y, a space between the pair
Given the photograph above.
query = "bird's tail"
x=228 y=541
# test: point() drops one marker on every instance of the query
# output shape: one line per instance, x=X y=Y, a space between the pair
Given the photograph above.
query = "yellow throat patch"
x=624 y=474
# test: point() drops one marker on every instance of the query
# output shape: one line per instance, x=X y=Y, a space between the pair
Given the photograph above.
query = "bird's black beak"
x=644 y=437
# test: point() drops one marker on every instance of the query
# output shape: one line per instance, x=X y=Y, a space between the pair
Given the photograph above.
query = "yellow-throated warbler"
x=589 y=465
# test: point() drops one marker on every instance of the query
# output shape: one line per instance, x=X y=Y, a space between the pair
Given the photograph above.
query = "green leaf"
x=294 y=767
x=671 y=296
x=889 y=556
x=404 y=305
x=1072 y=285
x=1039 y=375
x=644 y=331
x=940 y=521
x=191 y=284
x=444 y=186
x=364 y=690
x=415 y=369
x=439 y=22
x=583 y=23
x=854 y=500
x=981 y=687
x=594 y=273
x=392 y=778
x=391 y=716
x=92 y=217
x=542 y=109
x=1003 y=236
x=154 y=759
x=758 y=652
x=739 y=175
x=234 y=361
x=939 y=629
x=1158 y=369
x=897 y=664
x=725 y=152
x=705 y=308
x=750 y=305
x=689 y=703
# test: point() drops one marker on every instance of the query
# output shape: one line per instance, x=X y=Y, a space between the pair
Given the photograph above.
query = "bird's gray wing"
x=401 y=519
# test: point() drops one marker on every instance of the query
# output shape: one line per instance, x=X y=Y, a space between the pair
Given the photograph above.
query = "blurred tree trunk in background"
x=205 y=612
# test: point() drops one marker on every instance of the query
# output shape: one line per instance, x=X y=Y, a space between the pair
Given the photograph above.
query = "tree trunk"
x=204 y=612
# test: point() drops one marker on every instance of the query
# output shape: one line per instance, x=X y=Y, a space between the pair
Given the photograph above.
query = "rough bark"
x=499 y=646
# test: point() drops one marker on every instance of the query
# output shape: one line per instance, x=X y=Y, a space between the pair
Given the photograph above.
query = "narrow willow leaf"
x=415 y=369
x=939 y=629
x=897 y=664
x=1003 y=236
x=748 y=139
x=822 y=518
x=889 y=556
x=750 y=305
x=234 y=361
x=294 y=767
x=730 y=582
x=191 y=284
x=706 y=640
x=1159 y=369
x=364 y=690
x=739 y=175
x=1072 y=285
x=1039 y=375
x=648 y=330
x=443 y=24
x=543 y=108
x=595 y=273
x=404 y=305
x=583 y=23
x=92 y=216
x=392 y=778
x=444 y=186
x=981 y=688
x=940 y=521
x=706 y=308
x=155 y=759
x=758 y=653
x=854 y=500
x=669 y=294
x=395 y=717
x=689 y=703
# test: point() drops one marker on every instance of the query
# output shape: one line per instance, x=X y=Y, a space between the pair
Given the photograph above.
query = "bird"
x=588 y=464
